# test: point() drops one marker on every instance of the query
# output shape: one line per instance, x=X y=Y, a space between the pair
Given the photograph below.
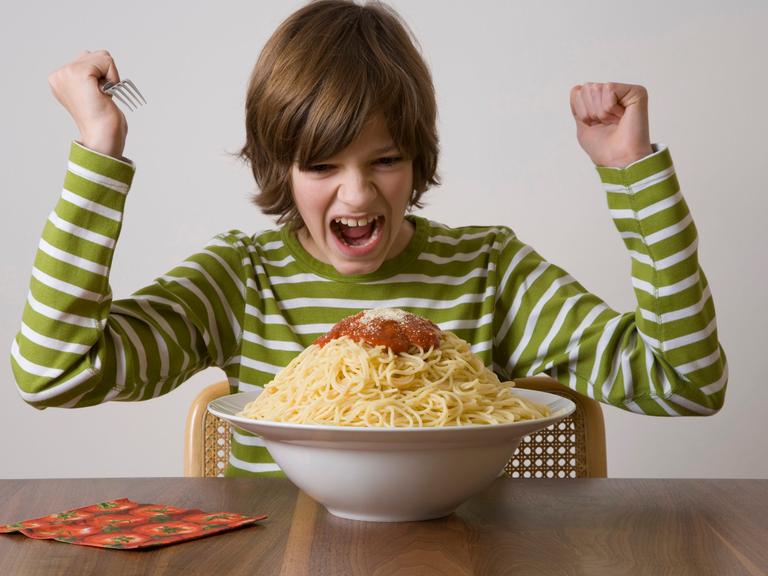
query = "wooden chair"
x=572 y=448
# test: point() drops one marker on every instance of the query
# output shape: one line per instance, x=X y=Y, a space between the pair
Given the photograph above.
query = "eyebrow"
x=388 y=148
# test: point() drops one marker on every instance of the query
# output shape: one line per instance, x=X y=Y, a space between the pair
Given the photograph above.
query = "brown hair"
x=324 y=72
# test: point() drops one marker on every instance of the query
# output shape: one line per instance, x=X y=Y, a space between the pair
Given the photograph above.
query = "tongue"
x=356 y=232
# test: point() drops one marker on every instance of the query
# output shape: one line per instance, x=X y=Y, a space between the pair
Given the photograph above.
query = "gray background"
x=503 y=71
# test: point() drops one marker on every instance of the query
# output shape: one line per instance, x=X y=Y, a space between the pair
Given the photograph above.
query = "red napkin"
x=125 y=524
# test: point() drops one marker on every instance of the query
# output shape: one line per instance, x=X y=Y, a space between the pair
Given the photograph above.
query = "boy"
x=341 y=138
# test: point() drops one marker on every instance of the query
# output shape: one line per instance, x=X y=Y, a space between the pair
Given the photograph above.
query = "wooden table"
x=527 y=527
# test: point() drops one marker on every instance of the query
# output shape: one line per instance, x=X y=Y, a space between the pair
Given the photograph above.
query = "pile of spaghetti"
x=389 y=368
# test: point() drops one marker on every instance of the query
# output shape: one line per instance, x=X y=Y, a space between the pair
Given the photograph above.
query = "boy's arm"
x=662 y=359
x=76 y=347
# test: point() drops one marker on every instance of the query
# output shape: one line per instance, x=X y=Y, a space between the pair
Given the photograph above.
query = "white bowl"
x=391 y=474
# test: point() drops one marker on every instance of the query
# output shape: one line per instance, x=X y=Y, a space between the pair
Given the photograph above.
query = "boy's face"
x=353 y=204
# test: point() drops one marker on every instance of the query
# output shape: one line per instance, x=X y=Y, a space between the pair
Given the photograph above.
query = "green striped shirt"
x=249 y=304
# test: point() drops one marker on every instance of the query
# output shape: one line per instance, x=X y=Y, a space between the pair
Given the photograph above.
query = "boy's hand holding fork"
x=76 y=86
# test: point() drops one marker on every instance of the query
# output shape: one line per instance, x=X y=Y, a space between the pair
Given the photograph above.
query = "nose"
x=357 y=190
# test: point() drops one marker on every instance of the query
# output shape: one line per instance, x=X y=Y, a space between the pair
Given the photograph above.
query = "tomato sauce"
x=398 y=330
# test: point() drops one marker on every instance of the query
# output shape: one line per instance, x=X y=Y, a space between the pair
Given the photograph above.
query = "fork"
x=126 y=92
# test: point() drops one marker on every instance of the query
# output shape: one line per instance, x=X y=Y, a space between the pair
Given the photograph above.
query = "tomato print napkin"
x=125 y=524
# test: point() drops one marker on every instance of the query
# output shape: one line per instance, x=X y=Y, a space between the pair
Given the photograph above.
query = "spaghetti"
x=351 y=378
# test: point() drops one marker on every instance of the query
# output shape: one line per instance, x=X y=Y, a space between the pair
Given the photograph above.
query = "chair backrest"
x=572 y=448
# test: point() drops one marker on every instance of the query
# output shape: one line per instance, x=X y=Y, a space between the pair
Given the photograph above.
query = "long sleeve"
x=76 y=347
x=662 y=359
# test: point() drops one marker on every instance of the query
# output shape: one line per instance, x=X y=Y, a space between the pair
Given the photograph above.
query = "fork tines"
x=126 y=92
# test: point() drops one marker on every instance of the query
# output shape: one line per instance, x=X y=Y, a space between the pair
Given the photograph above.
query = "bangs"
x=344 y=80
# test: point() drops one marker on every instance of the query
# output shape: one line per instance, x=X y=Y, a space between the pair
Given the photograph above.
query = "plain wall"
x=503 y=71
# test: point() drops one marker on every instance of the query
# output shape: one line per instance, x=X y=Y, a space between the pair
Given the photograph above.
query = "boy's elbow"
x=42 y=387
x=710 y=398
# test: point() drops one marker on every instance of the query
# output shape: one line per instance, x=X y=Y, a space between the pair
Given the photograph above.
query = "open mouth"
x=357 y=233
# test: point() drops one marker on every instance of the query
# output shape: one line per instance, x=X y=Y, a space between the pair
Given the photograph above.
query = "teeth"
x=352 y=222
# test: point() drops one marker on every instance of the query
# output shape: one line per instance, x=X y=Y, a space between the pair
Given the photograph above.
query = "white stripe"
x=519 y=255
x=311 y=329
x=53 y=343
x=659 y=206
x=692 y=338
x=692 y=406
x=247 y=440
x=641 y=184
x=76 y=400
x=623 y=214
x=677 y=257
x=425 y=279
x=170 y=333
x=668 y=290
x=181 y=315
x=626 y=368
x=686 y=312
x=481 y=346
x=695 y=365
x=274 y=245
x=440 y=239
x=65 y=287
x=667 y=408
x=272 y=344
x=72 y=259
x=60 y=316
x=245 y=387
x=278 y=263
x=301 y=278
x=650 y=341
x=615 y=364
x=91 y=206
x=715 y=387
x=173 y=305
x=610 y=327
x=134 y=339
x=644 y=258
x=159 y=340
x=669 y=231
x=231 y=273
x=648 y=315
x=534 y=316
x=556 y=326
x=626 y=213
x=252 y=466
x=91 y=176
x=213 y=324
x=293 y=303
x=222 y=298
x=663 y=234
x=260 y=366
x=112 y=394
x=276 y=319
x=472 y=323
x=632 y=406
x=32 y=368
x=75 y=230
x=517 y=302
x=573 y=345
x=63 y=387
x=633 y=235
x=654 y=368
x=120 y=360
x=457 y=257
